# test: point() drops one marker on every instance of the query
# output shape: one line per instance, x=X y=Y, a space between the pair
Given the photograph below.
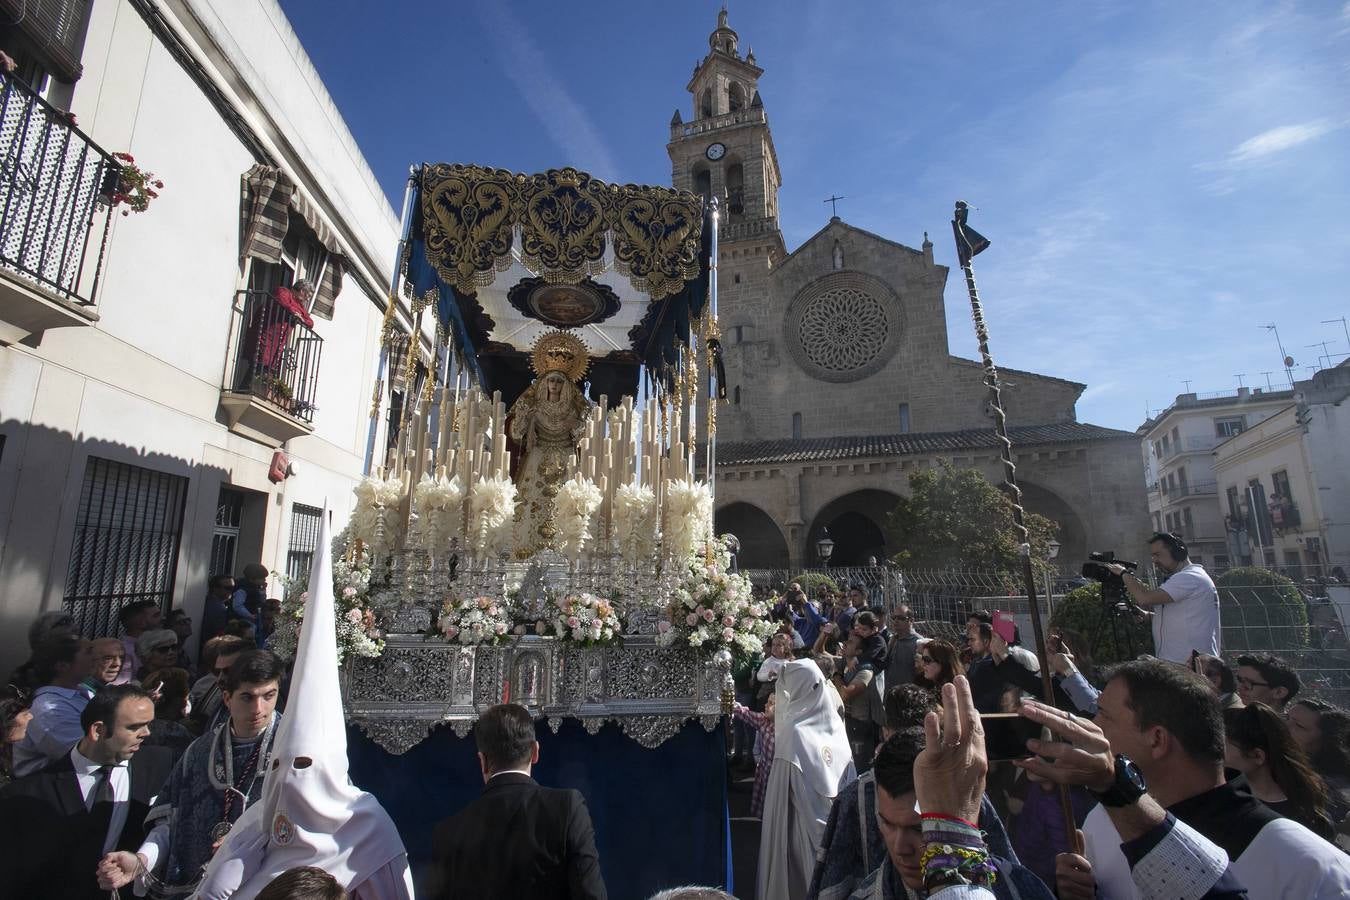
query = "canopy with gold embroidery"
x=506 y=257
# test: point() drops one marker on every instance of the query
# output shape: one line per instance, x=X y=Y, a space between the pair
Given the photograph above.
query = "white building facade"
x=1178 y=448
x=150 y=370
x=1284 y=483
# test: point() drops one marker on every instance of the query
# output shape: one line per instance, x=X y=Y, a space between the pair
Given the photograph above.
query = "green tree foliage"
x=1261 y=610
x=1112 y=636
x=954 y=519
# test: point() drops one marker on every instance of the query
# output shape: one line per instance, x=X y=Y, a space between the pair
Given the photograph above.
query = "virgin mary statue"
x=547 y=420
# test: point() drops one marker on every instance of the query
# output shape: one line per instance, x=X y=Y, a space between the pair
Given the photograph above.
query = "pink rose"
x=354 y=616
x=349 y=592
x=500 y=628
x=728 y=635
x=709 y=615
x=729 y=621
x=663 y=626
x=492 y=611
x=691 y=620
x=451 y=631
x=573 y=621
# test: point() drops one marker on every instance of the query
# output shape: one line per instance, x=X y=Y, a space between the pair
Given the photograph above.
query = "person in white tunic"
x=310 y=813
x=811 y=760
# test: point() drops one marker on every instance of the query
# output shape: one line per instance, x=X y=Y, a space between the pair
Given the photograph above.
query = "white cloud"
x=1277 y=140
x=563 y=118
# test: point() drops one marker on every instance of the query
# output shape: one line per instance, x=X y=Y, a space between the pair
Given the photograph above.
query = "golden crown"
x=559 y=351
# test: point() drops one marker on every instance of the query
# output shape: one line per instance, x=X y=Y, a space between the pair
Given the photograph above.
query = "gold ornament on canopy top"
x=559 y=351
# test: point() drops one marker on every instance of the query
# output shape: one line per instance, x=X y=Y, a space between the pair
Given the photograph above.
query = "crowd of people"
x=878 y=770
x=1223 y=746
x=125 y=764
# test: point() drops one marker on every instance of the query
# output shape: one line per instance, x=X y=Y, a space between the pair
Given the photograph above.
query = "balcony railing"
x=276 y=357
x=55 y=185
x=754 y=115
x=1198 y=489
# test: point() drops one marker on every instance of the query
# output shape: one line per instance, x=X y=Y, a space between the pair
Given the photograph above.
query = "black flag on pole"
x=969 y=242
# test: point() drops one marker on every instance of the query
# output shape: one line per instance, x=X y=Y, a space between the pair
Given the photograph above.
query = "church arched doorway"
x=1072 y=536
x=857 y=525
x=762 y=542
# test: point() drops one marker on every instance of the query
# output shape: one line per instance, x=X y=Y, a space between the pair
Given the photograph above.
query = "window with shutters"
x=128 y=528
x=46 y=34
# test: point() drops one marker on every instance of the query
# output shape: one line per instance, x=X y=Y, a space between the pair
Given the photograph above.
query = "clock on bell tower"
x=726 y=150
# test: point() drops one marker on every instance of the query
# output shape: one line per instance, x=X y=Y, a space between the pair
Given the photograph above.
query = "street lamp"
x=1051 y=554
x=824 y=547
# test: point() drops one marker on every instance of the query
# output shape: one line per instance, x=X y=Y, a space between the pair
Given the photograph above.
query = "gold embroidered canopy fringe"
x=471 y=216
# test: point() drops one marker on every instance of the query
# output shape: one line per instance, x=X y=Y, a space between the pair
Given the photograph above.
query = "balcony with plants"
x=58 y=190
x=273 y=372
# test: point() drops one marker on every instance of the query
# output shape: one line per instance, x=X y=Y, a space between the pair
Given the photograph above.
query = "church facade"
x=840 y=381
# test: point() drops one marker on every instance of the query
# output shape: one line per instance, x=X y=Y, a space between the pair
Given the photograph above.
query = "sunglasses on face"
x=1247 y=682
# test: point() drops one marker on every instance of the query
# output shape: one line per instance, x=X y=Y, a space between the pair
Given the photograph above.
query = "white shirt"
x=1284 y=860
x=86 y=774
x=1191 y=620
x=770 y=669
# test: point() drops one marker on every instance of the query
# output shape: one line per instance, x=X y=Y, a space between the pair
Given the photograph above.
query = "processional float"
x=537 y=527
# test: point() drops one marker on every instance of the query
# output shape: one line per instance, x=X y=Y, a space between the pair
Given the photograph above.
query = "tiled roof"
x=746 y=453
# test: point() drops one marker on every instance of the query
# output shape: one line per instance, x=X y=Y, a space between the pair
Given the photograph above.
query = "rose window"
x=843 y=330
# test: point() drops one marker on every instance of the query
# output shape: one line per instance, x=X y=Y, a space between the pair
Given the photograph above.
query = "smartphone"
x=1006 y=736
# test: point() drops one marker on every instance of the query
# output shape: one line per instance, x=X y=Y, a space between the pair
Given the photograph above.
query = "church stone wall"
x=942 y=393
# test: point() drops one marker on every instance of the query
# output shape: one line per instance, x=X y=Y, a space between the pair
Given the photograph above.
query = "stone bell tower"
x=726 y=150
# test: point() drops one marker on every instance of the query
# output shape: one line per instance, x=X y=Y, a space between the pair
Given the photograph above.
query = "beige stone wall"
x=1095 y=490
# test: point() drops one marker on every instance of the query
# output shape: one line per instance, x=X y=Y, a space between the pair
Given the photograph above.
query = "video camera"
x=1113 y=586
x=1095 y=568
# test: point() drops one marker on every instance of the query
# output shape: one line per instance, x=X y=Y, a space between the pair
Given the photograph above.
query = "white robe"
x=812 y=759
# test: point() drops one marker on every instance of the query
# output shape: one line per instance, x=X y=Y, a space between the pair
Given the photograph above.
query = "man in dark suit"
x=518 y=839
x=57 y=824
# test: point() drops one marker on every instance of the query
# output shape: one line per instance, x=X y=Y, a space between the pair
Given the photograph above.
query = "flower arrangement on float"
x=358 y=631
x=714 y=609
x=474 y=621
x=376 y=519
x=586 y=619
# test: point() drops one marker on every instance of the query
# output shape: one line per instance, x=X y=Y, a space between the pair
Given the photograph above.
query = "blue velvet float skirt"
x=660 y=815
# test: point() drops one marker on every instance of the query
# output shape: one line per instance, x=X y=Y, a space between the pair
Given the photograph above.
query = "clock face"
x=716 y=151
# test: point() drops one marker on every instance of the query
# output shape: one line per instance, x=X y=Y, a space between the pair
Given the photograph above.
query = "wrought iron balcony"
x=273 y=374
x=55 y=190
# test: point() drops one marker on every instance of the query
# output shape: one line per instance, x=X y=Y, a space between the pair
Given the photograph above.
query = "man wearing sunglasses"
x=904 y=644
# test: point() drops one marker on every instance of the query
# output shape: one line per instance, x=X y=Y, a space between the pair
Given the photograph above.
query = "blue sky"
x=1159 y=179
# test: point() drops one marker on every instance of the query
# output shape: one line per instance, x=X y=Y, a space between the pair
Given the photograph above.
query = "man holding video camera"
x=1185 y=607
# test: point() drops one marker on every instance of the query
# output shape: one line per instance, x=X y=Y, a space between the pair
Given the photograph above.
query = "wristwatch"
x=1128 y=786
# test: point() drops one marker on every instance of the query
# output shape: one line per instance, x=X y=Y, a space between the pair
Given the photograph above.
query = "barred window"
x=128 y=529
x=305 y=521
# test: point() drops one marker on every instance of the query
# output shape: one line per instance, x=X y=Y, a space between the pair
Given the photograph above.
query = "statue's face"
x=553 y=386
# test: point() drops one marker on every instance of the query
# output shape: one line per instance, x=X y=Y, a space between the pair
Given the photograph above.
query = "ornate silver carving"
x=652 y=731
x=419 y=683
x=397 y=736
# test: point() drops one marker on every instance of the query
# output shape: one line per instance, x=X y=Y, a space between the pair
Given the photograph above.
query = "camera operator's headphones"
x=1173 y=542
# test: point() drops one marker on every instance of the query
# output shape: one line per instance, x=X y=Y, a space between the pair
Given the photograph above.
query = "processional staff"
x=969 y=243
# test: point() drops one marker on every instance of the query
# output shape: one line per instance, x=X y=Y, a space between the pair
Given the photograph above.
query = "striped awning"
x=269 y=198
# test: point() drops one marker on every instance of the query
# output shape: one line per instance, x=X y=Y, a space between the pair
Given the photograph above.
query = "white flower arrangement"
x=358 y=631
x=475 y=620
x=573 y=510
x=688 y=517
x=438 y=508
x=586 y=619
x=492 y=509
x=714 y=609
x=375 y=520
x=635 y=531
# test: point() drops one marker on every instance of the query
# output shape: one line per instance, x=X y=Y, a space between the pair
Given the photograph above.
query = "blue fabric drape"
x=660 y=815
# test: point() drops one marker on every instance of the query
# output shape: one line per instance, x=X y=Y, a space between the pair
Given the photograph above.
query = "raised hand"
x=949 y=773
x=1081 y=756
